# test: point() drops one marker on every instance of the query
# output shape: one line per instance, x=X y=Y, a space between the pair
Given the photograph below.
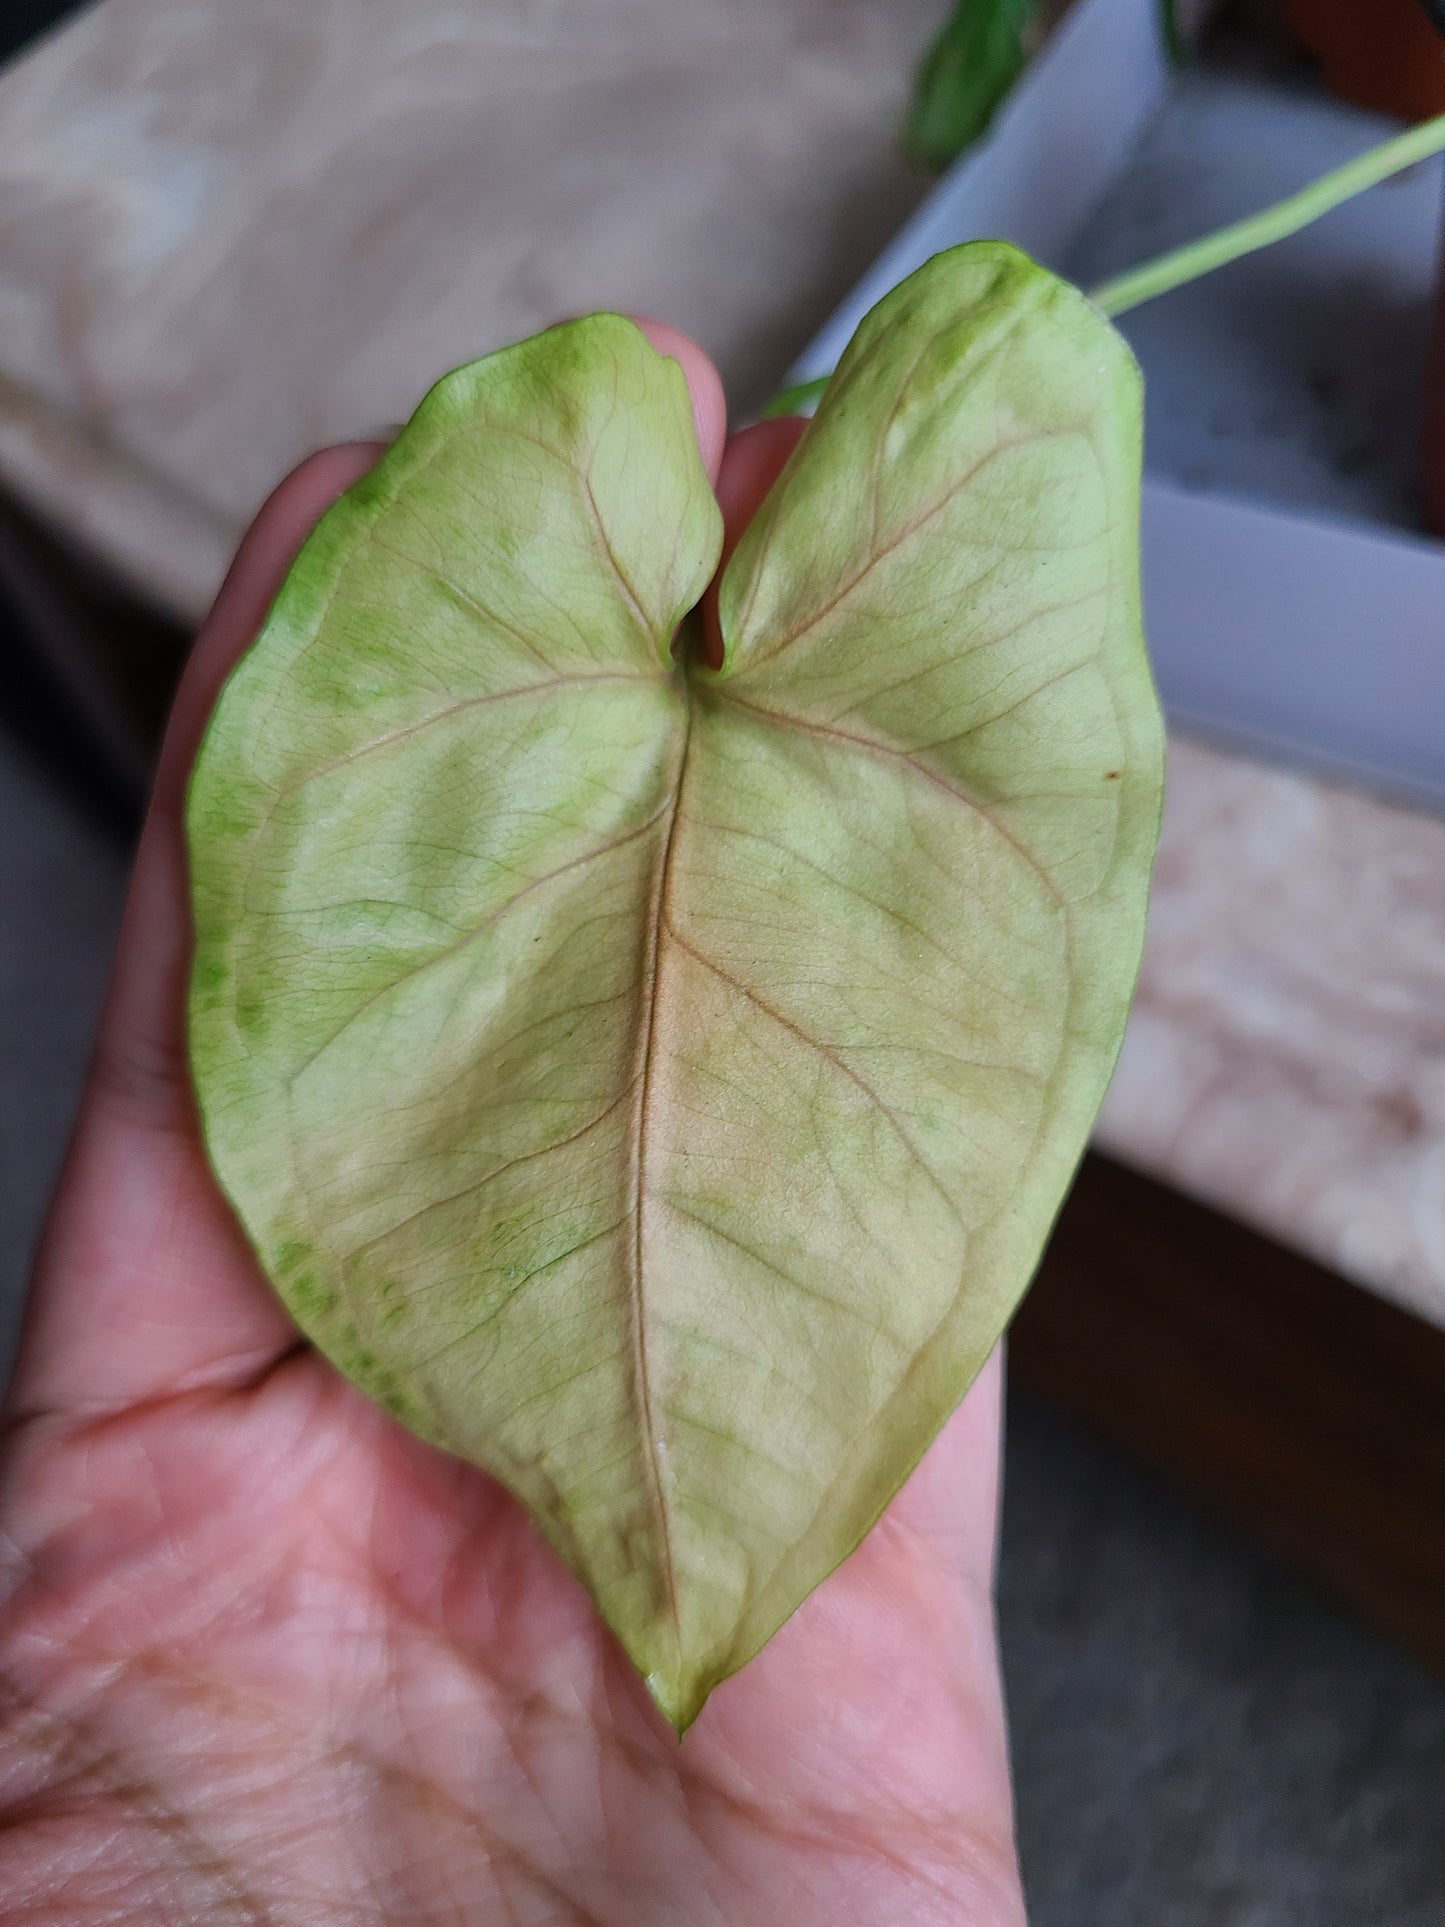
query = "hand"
x=266 y=1658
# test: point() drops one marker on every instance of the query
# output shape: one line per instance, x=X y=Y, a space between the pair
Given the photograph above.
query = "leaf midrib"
x=658 y=924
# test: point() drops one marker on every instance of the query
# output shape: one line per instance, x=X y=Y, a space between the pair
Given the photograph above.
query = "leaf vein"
x=878 y=747
x=475 y=930
x=831 y=1056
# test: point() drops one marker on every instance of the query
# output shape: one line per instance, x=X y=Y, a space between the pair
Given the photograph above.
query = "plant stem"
x=1227 y=244
x=1286 y=217
x=793 y=401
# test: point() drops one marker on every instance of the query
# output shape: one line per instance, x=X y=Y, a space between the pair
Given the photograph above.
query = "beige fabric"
x=233 y=229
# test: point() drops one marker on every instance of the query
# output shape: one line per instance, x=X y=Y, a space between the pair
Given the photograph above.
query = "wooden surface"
x=1309 y=1411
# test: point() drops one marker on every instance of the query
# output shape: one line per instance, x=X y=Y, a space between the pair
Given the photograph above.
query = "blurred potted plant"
x=1385 y=54
x=984 y=46
x=966 y=75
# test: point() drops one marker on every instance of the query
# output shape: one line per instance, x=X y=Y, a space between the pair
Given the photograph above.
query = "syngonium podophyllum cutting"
x=655 y=1083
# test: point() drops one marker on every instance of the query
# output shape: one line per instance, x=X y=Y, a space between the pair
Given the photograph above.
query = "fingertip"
x=266 y=552
x=709 y=404
x=752 y=461
x=294 y=507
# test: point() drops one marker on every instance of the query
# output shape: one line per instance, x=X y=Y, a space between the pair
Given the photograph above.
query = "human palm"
x=265 y=1657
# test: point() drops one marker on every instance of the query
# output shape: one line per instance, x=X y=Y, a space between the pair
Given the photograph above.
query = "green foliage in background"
x=971 y=67
x=964 y=78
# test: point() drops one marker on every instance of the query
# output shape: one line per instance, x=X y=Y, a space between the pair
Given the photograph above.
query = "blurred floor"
x=1200 y=1739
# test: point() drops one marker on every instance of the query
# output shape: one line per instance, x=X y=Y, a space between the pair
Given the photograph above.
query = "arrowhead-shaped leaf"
x=656 y=1084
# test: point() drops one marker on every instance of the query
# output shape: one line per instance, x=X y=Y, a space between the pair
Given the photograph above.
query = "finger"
x=901 y=1637
x=951 y=1502
x=751 y=462
x=143 y=1282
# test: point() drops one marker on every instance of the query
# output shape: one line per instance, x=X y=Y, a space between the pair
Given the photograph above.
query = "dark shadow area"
x=22 y=21
x=90 y=672
x=1199 y=1735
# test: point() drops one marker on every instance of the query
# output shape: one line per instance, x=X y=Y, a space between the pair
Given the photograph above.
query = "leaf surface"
x=656 y=1084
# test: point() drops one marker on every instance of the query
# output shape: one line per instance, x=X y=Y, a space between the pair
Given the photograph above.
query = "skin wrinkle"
x=143 y=1084
x=433 y=1801
x=241 y=1375
x=425 y=1793
x=755 y=1811
x=79 y=1761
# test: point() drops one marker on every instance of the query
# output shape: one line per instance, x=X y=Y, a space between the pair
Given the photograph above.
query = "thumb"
x=143 y=1283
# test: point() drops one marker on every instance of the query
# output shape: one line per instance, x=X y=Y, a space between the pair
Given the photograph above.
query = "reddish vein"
x=651 y=984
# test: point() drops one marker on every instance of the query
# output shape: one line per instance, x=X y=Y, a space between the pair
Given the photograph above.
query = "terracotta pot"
x=1388 y=54
x=1383 y=54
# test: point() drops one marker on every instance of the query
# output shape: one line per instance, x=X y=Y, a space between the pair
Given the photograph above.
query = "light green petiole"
x=796 y=400
x=1226 y=244
x=1273 y=224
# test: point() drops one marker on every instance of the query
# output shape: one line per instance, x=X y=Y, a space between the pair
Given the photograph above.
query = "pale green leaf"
x=656 y=1085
